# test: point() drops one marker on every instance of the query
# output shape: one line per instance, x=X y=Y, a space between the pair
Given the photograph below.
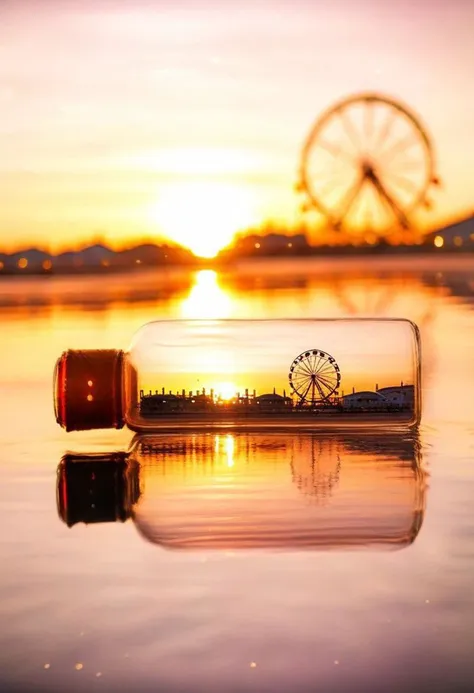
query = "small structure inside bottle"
x=367 y=370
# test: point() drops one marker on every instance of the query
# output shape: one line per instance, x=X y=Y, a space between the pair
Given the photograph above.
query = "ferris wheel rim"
x=402 y=109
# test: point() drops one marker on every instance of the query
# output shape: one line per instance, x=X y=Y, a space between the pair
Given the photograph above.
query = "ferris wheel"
x=367 y=164
x=314 y=376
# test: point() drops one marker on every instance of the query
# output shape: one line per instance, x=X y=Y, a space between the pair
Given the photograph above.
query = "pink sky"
x=109 y=109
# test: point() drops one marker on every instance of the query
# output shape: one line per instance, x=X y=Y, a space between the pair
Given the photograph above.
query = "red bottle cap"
x=88 y=389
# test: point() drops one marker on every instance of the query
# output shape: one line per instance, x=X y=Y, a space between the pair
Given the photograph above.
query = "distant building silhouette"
x=268 y=244
x=459 y=235
x=363 y=400
x=402 y=396
x=273 y=402
x=392 y=397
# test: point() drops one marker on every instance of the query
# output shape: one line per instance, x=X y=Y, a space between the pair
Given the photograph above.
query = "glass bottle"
x=296 y=374
x=245 y=490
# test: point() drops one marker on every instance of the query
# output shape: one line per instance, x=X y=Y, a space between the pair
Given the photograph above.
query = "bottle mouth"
x=59 y=387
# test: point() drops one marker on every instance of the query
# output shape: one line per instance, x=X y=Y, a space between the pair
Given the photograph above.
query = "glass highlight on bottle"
x=253 y=490
x=307 y=374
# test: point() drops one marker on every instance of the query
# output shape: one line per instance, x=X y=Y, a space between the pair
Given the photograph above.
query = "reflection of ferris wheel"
x=315 y=468
x=367 y=164
x=314 y=376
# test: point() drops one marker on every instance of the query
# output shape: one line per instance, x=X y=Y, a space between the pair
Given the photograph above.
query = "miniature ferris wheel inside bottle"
x=237 y=373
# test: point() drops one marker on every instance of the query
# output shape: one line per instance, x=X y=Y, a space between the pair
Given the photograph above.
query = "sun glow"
x=225 y=391
x=204 y=216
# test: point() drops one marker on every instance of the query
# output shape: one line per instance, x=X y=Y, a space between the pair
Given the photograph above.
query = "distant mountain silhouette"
x=457 y=237
x=94 y=258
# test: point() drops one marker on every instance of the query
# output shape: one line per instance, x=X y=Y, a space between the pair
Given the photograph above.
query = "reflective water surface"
x=240 y=562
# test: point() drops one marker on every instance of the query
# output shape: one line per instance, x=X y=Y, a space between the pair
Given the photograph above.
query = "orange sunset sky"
x=128 y=119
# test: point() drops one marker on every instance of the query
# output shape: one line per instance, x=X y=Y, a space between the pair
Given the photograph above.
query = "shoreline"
x=379 y=260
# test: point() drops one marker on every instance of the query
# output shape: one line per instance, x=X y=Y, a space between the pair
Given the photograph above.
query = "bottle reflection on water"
x=253 y=490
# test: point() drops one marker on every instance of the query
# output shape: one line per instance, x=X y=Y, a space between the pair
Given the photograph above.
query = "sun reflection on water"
x=207 y=299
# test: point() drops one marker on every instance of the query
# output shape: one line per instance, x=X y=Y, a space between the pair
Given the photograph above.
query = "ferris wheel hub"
x=368 y=169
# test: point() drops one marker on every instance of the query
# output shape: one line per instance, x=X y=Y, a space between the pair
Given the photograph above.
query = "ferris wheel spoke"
x=322 y=395
x=335 y=150
x=329 y=178
x=328 y=393
x=332 y=192
x=403 y=182
x=350 y=130
x=329 y=163
x=408 y=164
x=298 y=374
x=328 y=378
x=400 y=146
x=414 y=172
x=304 y=367
x=322 y=365
x=317 y=361
x=303 y=397
x=323 y=368
x=326 y=365
x=332 y=189
x=302 y=376
x=301 y=364
x=301 y=384
x=323 y=389
x=325 y=381
x=385 y=130
x=324 y=378
x=368 y=124
x=309 y=364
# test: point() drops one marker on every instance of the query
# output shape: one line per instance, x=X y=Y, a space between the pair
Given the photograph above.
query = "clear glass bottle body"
x=307 y=374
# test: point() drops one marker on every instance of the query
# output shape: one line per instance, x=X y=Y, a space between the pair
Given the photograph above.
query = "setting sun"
x=225 y=390
x=204 y=216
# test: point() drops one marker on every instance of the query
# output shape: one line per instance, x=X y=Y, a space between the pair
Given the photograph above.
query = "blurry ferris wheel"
x=367 y=165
